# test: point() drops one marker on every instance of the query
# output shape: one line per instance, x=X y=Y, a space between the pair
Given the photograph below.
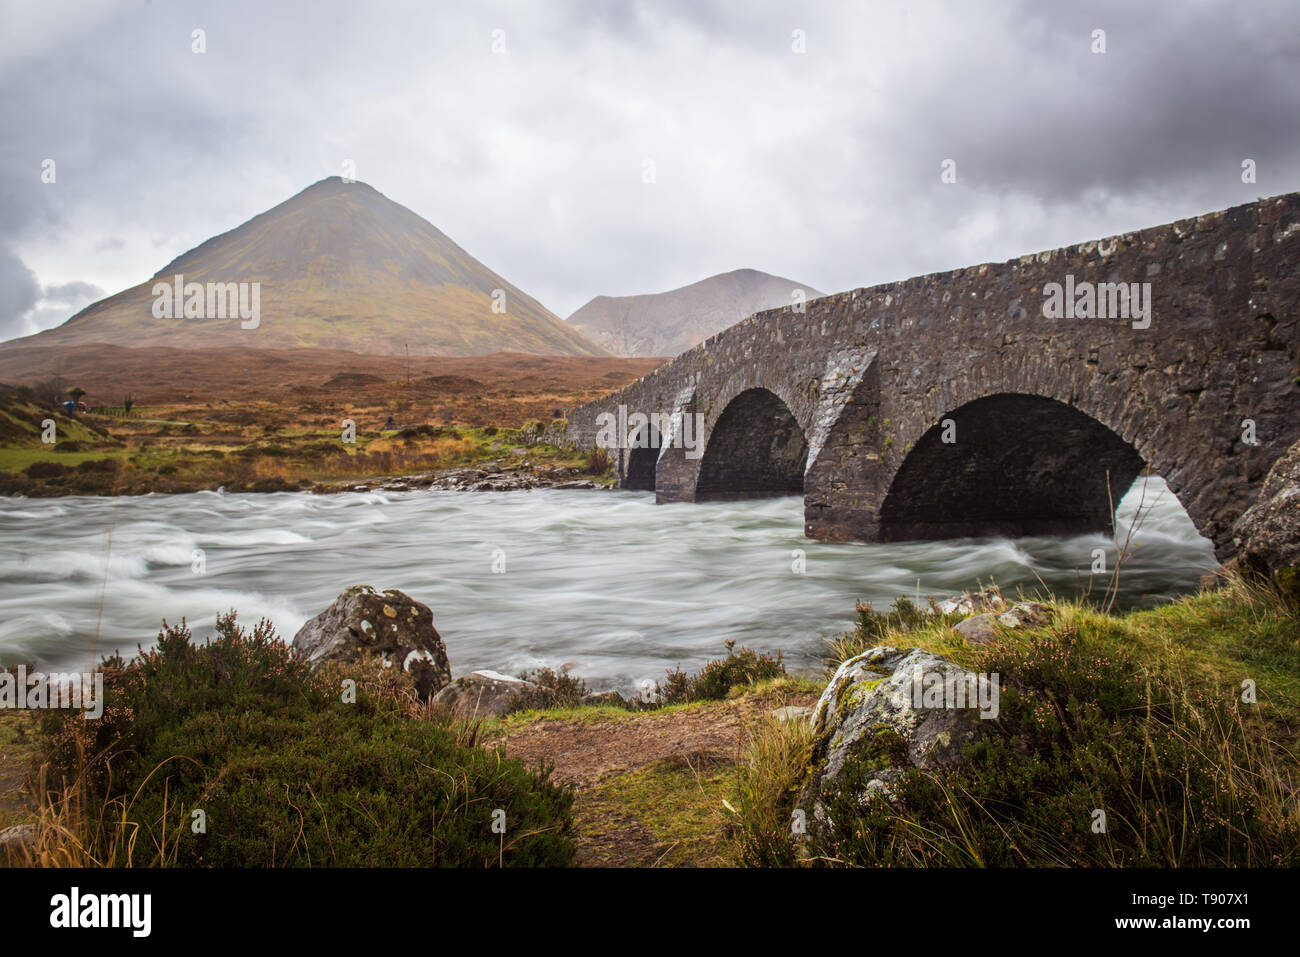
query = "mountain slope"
x=668 y=323
x=340 y=266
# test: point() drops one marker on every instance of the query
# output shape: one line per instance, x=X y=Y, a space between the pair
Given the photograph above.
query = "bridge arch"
x=642 y=459
x=1009 y=464
x=756 y=449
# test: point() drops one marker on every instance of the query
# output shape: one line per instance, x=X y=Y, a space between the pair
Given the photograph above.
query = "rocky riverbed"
x=498 y=476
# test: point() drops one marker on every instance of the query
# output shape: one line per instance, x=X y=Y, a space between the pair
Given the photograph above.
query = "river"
x=621 y=587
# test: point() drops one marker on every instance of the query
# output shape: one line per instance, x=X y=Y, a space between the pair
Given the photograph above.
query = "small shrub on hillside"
x=676 y=687
x=597 y=462
x=328 y=448
x=715 y=680
x=46 y=470
x=98 y=465
x=288 y=772
x=417 y=431
x=563 y=689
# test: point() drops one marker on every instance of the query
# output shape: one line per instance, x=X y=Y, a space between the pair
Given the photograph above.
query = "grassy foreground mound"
x=1178 y=724
x=232 y=754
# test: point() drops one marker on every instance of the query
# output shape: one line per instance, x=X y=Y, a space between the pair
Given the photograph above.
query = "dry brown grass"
x=68 y=833
x=381 y=457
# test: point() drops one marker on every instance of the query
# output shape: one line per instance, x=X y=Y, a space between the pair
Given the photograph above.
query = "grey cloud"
x=26 y=307
x=1172 y=107
x=19 y=291
x=823 y=167
x=72 y=292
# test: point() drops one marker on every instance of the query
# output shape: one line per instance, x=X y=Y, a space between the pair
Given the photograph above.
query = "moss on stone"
x=882 y=747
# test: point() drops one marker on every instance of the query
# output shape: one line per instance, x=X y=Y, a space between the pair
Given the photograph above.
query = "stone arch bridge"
x=987 y=400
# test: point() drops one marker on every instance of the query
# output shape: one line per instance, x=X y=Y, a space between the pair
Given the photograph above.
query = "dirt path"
x=649 y=786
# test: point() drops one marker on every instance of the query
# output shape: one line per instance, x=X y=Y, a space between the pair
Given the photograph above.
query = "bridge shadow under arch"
x=756 y=450
x=1017 y=465
x=642 y=459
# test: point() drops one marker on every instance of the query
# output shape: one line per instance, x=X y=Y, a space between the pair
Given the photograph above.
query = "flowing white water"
x=620 y=586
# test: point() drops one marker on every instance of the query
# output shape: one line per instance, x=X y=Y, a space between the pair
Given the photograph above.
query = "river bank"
x=100 y=454
x=714 y=781
x=179 y=421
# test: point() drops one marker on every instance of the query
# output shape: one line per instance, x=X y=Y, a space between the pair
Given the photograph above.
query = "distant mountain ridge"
x=669 y=323
x=339 y=266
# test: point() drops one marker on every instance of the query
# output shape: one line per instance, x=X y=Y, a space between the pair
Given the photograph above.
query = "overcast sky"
x=821 y=166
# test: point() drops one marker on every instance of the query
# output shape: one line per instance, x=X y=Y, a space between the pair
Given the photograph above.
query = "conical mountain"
x=338 y=266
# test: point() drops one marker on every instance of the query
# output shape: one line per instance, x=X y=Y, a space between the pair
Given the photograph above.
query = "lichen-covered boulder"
x=13 y=840
x=898 y=710
x=1267 y=535
x=489 y=694
x=969 y=603
x=604 y=698
x=393 y=628
x=978 y=629
x=984 y=628
x=1026 y=614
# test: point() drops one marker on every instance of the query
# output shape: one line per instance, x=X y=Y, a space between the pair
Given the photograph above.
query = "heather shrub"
x=290 y=768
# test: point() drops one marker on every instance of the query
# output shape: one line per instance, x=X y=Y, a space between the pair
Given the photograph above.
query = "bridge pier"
x=676 y=477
